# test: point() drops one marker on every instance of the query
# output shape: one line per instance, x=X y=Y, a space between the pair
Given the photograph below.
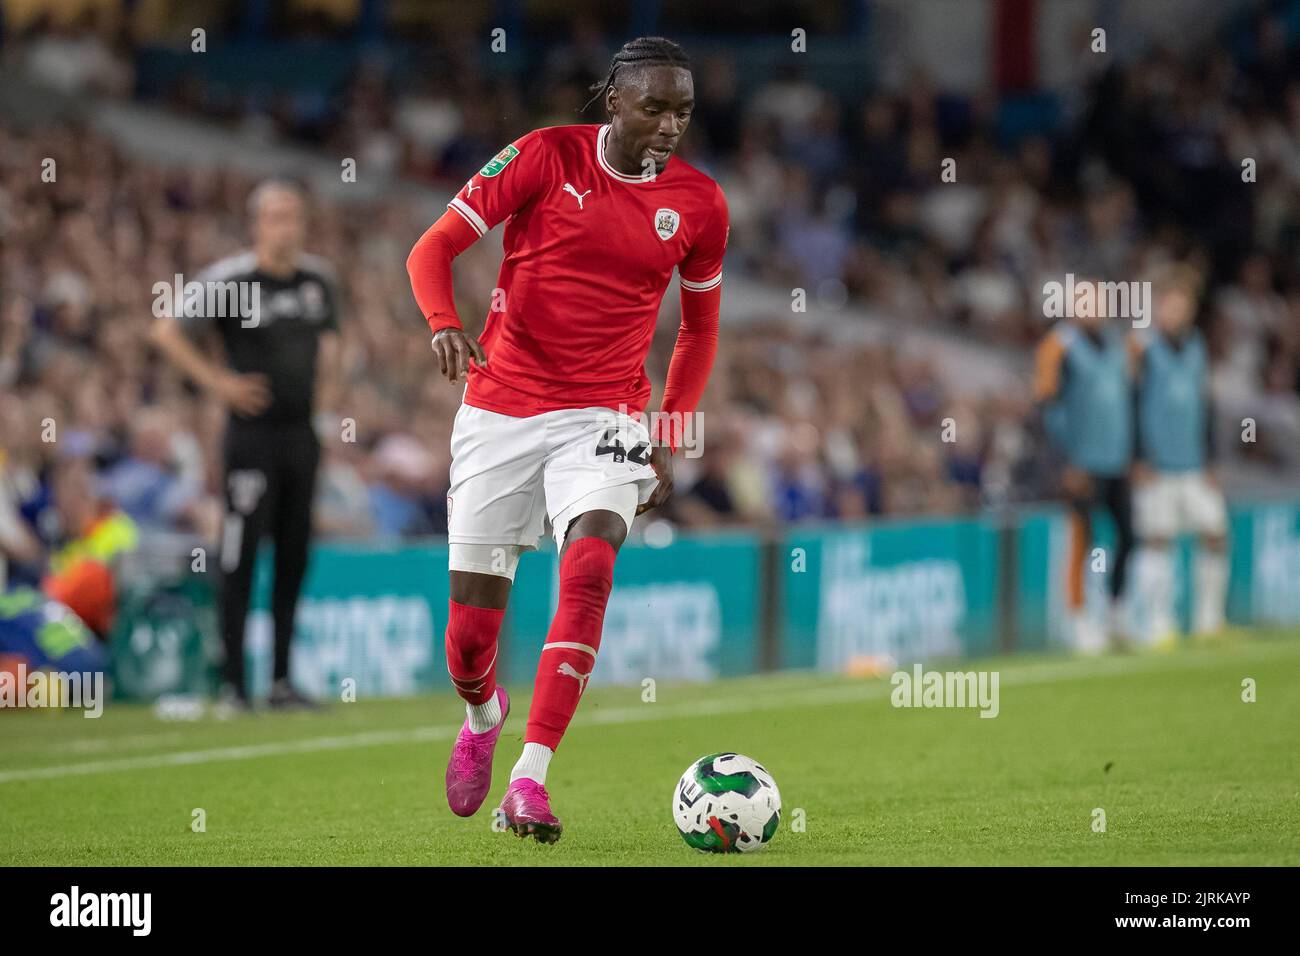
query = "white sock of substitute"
x=533 y=763
x=483 y=717
x=1211 y=590
x=1088 y=636
x=1117 y=618
x=1156 y=578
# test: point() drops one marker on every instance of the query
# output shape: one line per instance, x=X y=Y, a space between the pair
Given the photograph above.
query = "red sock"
x=472 y=650
x=569 y=654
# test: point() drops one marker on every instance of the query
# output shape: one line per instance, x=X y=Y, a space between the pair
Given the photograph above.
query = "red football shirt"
x=589 y=252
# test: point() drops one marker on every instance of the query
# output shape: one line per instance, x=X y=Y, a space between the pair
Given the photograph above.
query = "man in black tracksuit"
x=275 y=310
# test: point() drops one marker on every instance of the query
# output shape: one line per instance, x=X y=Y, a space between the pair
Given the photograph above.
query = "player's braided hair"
x=643 y=51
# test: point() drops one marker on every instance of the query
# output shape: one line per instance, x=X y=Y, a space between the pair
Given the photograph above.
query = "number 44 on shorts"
x=609 y=444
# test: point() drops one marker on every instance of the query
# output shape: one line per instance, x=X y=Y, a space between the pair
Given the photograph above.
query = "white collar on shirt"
x=621 y=177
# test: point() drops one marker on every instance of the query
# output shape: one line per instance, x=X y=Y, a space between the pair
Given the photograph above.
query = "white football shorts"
x=509 y=475
x=1173 y=503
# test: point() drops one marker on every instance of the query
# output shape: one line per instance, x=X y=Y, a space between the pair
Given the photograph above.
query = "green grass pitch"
x=1185 y=771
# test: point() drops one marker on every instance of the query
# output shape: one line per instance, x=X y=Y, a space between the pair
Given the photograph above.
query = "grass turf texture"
x=1195 y=775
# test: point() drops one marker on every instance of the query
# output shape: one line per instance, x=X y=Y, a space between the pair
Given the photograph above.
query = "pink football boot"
x=527 y=810
x=469 y=771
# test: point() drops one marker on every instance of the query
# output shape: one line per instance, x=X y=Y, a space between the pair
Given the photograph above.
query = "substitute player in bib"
x=1174 y=491
x=1083 y=378
x=597 y=218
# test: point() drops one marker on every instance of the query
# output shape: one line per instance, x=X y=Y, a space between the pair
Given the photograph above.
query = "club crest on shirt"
x=666 y=223
x=499 y=162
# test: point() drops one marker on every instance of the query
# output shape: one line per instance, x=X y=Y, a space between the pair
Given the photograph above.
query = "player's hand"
x=1142 y=473
x=661 y=460
x=455 y=349
x=247 y=394
x=326 y=425
x=1076 y=483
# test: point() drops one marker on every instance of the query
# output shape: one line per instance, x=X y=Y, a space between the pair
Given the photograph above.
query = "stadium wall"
x=860 y=599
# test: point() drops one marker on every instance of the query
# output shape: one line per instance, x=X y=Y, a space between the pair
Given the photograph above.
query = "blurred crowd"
x=843 y=200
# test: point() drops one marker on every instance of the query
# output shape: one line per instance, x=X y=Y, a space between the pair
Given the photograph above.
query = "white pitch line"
x=133 y=741
x=1046 y=673
x=217 y=754
x=624 y=715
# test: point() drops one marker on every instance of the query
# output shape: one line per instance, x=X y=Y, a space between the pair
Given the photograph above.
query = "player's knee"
x=471 y=635
x=604 y=525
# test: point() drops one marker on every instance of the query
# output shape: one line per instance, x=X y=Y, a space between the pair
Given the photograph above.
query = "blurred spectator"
x=146 y=482
x=403 y=494
x=840 y=198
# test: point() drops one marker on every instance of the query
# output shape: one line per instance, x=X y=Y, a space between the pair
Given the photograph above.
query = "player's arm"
x=328 y=399
x=329 y=366
x=1050 y=370
x=1049 y=362
x=1137 y=358
x=1211 y=430
x=700 y=274
x=429 y=266
x=504 y=186
x=245 y=394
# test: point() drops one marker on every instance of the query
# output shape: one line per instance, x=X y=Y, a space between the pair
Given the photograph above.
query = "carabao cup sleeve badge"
x=499 y=162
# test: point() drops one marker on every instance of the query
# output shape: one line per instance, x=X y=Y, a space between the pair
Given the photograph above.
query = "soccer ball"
x=727 y=803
